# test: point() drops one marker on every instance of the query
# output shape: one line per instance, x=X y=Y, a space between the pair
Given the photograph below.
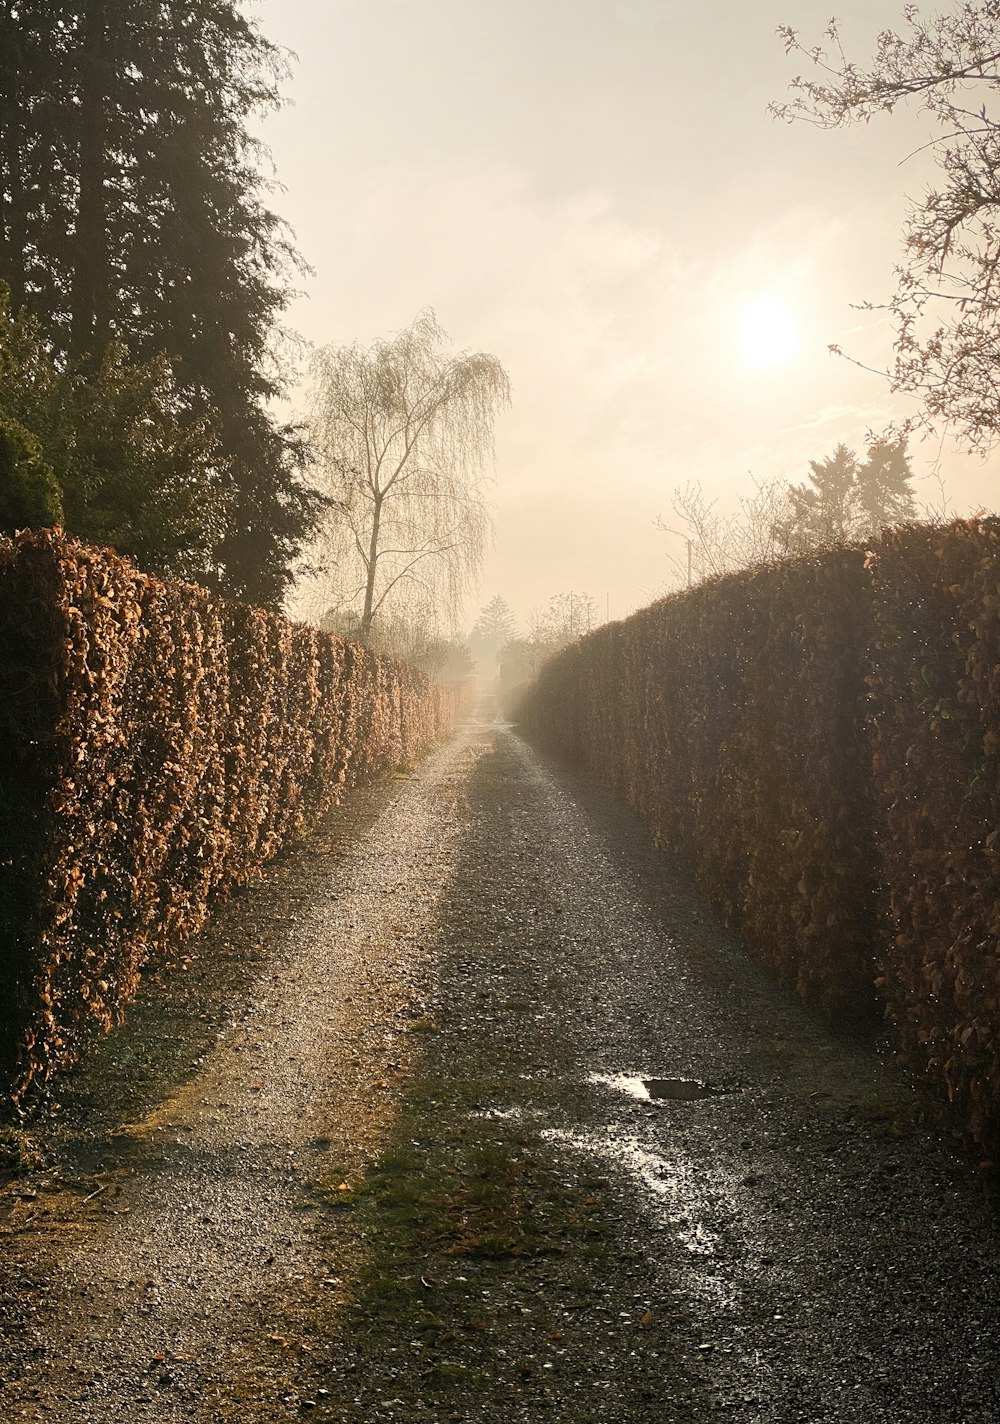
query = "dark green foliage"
x=820 y=741
x=138 y=476
x=159 y=746
x=30 y=497
x=132 y=212
x=119 y=462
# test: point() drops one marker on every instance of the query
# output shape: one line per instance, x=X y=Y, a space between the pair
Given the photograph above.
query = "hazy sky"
x=593 y=191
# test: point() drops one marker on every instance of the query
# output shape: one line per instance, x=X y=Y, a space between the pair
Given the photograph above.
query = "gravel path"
x=181 y=1291
x=783 y=1242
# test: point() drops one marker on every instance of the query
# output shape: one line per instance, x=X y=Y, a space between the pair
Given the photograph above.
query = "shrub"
x=160 y=745
x=935 y=732
x=819 y=741
x=30 y=497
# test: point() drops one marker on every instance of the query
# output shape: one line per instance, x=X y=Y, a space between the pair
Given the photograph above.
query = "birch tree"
x=403 y=434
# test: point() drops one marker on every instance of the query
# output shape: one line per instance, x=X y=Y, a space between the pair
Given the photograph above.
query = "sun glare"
x=769 y=334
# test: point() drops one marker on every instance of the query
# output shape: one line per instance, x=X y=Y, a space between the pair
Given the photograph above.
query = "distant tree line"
x=844 y=499
x=507 y=660
x=146 y=275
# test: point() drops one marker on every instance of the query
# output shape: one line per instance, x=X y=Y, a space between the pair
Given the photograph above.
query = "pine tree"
x=847 y=500
x=824 y=511
x=133 y=214
x=496 y=624
x=106 y=455
x=884 y=489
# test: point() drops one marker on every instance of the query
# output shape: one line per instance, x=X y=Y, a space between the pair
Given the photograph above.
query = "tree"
x=406 y=636
x=946 y=306
x=884 y=487
x=824 y=511
x=720 y=544
x=109 y=456
x=493 y=630
x=133 y=215
x=136 y=474
x=568 y=617
x=847 y=500
x=402 y=432
x=30 y=497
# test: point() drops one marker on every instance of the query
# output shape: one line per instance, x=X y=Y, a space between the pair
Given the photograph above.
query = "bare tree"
x=946 y=307
x=722 y=543
x=402 y=431
x=568 y=617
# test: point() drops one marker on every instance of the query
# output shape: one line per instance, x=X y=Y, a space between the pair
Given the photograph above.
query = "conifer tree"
x=884 y=489
x=133 y=215
x=849 y=500
x=824 y=510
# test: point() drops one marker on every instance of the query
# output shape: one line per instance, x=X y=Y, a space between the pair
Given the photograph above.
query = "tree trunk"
x=13 y=228
x=369 y=609
x=91 y=286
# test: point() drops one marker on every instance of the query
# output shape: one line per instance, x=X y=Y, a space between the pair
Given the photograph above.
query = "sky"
x=593 y=191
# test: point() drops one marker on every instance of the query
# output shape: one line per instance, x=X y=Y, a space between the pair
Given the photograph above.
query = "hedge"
x=819 y=742
x=730 y=719
x=159 y=745
x=935 y=739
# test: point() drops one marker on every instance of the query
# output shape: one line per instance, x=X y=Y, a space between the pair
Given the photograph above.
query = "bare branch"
x=404 y=432
x=945 y=309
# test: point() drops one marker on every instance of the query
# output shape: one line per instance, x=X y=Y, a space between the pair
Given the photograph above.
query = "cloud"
x=622 y=343
x=869 y=416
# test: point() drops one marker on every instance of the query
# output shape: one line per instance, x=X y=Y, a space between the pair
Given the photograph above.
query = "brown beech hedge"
x=156 y=747
x=935 y=741
x=819 y=742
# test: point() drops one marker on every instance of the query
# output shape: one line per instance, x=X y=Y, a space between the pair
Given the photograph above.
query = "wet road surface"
x=781 y=1242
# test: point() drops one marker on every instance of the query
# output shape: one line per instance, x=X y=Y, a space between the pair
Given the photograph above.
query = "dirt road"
x=471 y=1111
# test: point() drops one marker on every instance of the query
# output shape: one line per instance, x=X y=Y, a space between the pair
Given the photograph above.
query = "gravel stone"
x=794 y=1243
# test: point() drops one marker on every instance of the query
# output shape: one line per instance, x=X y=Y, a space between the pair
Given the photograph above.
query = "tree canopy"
x=844 y=499
x=403 y=430
x=109 y=455
x=946 y=306
x=492 y=631
x=134 y=218
x=849 y=499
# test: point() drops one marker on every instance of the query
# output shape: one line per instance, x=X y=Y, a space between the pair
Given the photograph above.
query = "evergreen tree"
x=494 y=628
x=107 y=456
x=884 y=489
x=847 y=500
x=133 y=215
x=30 y=497
x=824 y=511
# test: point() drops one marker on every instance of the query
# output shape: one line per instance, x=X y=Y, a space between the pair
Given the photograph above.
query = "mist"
x=598 y=195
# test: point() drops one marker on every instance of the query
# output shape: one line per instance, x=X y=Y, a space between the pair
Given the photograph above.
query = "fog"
x=595 y=193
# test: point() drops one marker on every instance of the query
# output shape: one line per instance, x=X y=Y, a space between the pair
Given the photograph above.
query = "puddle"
x=649 y=1090
x=676 y=1185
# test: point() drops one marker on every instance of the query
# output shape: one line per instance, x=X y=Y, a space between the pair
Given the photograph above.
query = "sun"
x=769 y=334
